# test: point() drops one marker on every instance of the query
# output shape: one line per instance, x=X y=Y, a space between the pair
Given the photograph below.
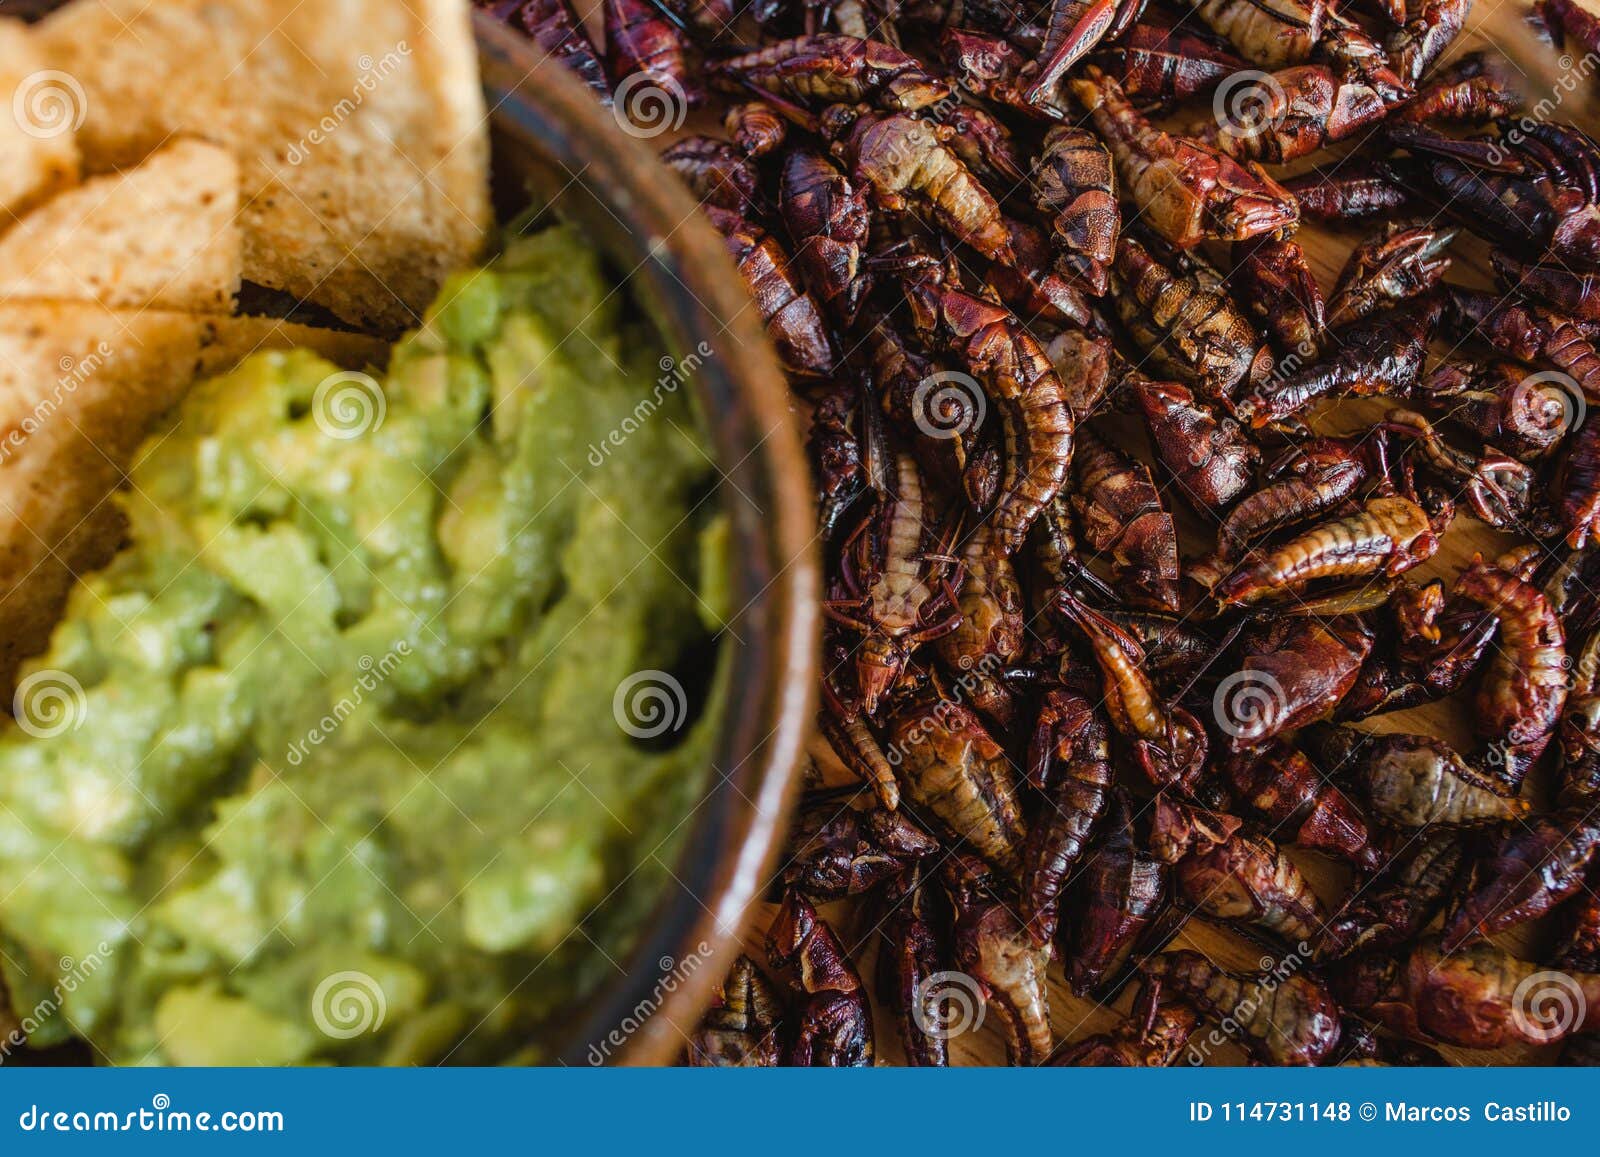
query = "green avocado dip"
x=373 y=744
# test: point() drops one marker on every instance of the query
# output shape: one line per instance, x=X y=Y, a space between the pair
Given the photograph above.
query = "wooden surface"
x=1073 y=1017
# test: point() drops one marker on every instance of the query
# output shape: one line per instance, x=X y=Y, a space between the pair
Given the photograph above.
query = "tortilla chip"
x=81 y=386
x=164 y=234
x=225 y=342
x=38 y=155
x=358 y=125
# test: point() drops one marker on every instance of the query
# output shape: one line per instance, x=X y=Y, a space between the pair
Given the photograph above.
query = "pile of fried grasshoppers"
x=1034 y=274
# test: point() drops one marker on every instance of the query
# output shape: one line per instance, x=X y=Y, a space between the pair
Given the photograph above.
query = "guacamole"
x=344 y=757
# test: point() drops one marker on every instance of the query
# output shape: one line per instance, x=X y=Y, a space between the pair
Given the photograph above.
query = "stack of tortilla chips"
x=155 y=158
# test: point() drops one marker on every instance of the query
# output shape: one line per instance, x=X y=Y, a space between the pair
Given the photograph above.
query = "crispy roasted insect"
x=641 y=41
x=1535 y=190
x=717 y=174
x=1476 y=87
x=1524 y=413
x=941 y=416
x=1578 y=949
x=908 y=163
x=1389 y=536
x=1573 y=21
x=1271 y=34
x=833 y=1028
x=1528 y=333
x=1120 y=511
x=895 y=581
x=993 y=949
x=1169 y=745
x=1533 y=868
x=1430 y=27
x=1274 y=280
x=842 y=720
x=1180 y=312
x=1056 y=561
x=911 y=965
x=742 y=1027
x=1074 y=185
x=1117 y=907
x=1074 y=28
x=1478 y=997
x=1069 y=760
x=1233 y=876
x=1392 y=908
x=1284 y=786
x=792 y=319
x=1209 y=457
x=1401 y=261
x=1153 y=1037
x=1294 y=671
x=831 y=68
x=559 y=31
x=1578 y=487
x=990 y=635
x=1282 y=1017
x=755 y=127
x=952 y=770
x=1524 y=687
x=1412 y=781
x=1282 y=116
x=1574 y=293
x=1578 y=733
x=839 y=851
x=985 y=145
x=839 y=444
x=1184 y=190
x=1032 y=285
x=1502 y=491
x=990 y=66
x=1381 y=354
x=1018 y=378
x=1348 y=191
x=829 y=223
x=1303 y=482
x=1162 y=63
x=710 y=19
x=1086 y=363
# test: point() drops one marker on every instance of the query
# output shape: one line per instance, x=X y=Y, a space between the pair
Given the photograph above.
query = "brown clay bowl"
x=553 y=139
